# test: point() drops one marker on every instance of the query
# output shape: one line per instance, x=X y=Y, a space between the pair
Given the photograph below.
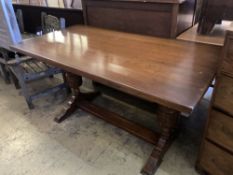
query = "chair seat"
x=34 y=70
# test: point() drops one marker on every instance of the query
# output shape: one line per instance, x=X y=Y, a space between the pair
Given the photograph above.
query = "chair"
x=50 y=23
x=22 y=68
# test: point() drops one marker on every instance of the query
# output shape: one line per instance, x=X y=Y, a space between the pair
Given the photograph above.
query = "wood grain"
x=163 y=18
x=172 y=73
x=216 y=153
x=216 y=161
x=227 y=62
x=221 y=129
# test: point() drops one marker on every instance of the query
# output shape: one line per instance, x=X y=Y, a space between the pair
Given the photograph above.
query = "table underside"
x=167 y=118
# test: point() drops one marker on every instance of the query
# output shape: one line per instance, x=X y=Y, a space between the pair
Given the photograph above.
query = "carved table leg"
x=168 y=121
x=74 y=82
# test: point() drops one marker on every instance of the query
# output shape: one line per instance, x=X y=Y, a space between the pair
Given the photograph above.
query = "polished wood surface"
x=171 y=73
x=166 y=18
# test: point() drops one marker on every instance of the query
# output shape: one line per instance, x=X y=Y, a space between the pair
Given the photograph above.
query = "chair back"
x=51 y=23
x=9 y=29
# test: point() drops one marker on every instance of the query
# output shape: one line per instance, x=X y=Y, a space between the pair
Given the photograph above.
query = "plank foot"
x=74 y=82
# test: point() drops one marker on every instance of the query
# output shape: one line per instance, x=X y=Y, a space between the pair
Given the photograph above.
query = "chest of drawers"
x=216 y=155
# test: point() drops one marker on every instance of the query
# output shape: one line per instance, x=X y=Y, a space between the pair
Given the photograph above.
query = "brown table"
x=174 y=75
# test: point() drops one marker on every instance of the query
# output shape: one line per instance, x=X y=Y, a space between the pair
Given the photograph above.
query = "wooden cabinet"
x=150 y=17
x=216 y=155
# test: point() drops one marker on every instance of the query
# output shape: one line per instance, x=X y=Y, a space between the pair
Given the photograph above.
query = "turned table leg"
x=167 y=121
x=74 y=82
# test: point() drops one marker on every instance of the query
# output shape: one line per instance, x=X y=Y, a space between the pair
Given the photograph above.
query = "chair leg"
x=15 y=80
x=25 y=92
x=5 y=74
x=23 y=86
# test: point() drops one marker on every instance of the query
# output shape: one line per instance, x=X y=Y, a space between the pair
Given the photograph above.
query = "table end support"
x=168 y=119
x=74 y=82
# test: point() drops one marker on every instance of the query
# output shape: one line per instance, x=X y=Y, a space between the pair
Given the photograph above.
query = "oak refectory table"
x=174 y=75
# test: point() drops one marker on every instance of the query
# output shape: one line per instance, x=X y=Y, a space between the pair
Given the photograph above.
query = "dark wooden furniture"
x=164 y=18
x=213 y=12
x=216 y=155
x=32 y=23
x=198 y=8
x=158 y=70
x=216 y=37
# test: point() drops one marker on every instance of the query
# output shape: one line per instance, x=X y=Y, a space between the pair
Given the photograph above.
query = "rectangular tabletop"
x=172 y=73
